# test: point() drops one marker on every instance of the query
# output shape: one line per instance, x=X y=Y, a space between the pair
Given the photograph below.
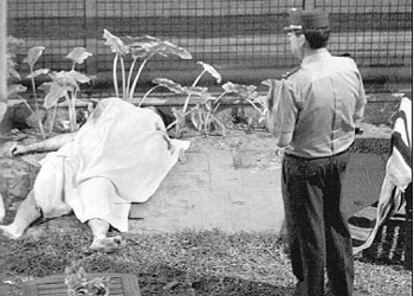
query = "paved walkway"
x=238 y=189
x=215 y=188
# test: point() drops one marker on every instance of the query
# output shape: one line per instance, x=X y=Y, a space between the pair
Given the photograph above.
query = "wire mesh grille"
x=57 y=25
x=237 y=35
x=374 y=32
x=224 y=33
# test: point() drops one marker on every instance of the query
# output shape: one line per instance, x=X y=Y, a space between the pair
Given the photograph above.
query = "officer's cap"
x=307 y=20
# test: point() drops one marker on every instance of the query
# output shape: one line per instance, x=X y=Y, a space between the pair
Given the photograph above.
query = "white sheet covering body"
x=121 y=155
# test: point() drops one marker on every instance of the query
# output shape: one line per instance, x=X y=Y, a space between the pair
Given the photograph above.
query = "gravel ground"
x=185 y=263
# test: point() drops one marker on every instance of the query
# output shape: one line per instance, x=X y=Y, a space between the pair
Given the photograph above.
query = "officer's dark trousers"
x=318 y=233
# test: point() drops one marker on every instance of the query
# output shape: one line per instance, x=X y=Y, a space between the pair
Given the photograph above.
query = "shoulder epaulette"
x=289 y=73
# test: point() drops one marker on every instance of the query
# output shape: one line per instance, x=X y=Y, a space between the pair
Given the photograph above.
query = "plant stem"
x=39 y=122
x=52 y=120
x=115 y=76
x=74 y=98
x=124 y=93
x=175 y=121
x=134 y=84
x=213 y=110
x=223 y=128
x=147 y=93
x=218 y=99
x=187 y=100
x=71 y=113
x=131 y=70
x=253 y=105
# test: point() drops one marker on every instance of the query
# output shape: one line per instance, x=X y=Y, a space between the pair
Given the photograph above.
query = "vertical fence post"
x=309 y=4
x=3 y=60
x=90 y=35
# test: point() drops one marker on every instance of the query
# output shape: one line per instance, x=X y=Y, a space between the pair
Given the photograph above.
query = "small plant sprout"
x=217 y=102
x=180 y=115
x=33 y=56
x=202 y=113
x=244 y=92
x=78 y=283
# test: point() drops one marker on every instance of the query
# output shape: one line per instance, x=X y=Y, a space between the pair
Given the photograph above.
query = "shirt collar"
x=319 y=54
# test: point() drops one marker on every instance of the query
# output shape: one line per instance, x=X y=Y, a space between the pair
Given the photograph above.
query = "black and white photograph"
x=235 y=147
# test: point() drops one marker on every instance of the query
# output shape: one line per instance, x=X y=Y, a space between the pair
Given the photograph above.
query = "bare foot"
x=8 y=231
x=106 y=244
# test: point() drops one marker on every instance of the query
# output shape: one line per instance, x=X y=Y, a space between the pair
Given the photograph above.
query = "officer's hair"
x=317 y=38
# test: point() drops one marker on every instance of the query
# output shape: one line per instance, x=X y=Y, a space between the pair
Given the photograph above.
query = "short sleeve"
x=361 y=99
x=285 y=109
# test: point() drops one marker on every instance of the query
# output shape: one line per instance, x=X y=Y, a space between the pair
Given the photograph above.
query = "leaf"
x=201 y=92
x=78 y=77
x=69 y=78
x=11 y=71
x=195 y=90
x=244 y=91
x=13 y=44
x=141 y=47
x=33 y=55
x=145 y=46
x=14 y=89
x=171 y=85
x=210 y=69
x=78 y=55
x=56 y=92
x=138 y=53
x=167 y=48
x=63 y=78
x=45 y=86
x=115 y=43
x=38 y=72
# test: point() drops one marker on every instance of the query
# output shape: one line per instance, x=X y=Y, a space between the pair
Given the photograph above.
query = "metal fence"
x=233 y=35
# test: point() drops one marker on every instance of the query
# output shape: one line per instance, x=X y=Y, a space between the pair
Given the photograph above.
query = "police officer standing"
x=314 y=112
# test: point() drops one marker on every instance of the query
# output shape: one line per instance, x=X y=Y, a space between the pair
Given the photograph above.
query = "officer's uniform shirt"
x=318 y=104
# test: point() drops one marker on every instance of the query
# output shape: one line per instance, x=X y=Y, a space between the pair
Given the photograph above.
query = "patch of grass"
x=185 y=263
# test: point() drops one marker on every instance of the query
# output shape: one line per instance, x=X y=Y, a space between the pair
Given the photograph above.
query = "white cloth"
x=121 y=155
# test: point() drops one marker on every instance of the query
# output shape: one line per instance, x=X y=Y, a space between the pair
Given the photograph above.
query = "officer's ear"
x=302 y=40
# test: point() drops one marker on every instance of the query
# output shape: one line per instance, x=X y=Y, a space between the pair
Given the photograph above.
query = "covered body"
x=119 y=156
